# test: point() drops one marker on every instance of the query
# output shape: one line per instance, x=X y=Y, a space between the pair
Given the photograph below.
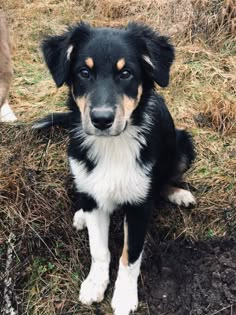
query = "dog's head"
x=108 y=70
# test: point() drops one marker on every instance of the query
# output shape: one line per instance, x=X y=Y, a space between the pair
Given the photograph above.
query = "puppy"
x=124 y=149
x=6 y=114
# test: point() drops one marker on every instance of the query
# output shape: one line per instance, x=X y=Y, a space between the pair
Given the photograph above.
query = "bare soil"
x=194 y=278
x=182 y=277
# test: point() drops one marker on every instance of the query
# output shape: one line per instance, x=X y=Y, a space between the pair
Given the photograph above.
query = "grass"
x=36 y=195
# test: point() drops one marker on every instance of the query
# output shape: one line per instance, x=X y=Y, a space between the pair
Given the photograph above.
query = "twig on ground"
x=225 y=308
x=8 y=282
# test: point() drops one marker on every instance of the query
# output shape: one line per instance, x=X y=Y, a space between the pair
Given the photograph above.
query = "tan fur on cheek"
x=129 y=104
x=140 y=92
x=124 y=256
x=81 y=102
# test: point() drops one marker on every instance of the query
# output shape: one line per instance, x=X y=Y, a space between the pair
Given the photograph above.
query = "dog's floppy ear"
x=157 y=52
x=57 y=51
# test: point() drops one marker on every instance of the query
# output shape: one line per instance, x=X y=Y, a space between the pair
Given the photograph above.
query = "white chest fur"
x=117 y=177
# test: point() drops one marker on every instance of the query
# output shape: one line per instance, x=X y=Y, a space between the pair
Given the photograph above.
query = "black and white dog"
x=124 y=149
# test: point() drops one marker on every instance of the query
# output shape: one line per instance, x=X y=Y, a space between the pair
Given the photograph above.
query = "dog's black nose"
x=102 y=118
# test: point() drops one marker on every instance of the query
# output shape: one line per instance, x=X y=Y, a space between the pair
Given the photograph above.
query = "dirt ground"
x=195 y=278
x=183 y=277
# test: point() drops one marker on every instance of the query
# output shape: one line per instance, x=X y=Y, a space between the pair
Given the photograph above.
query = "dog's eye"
x=125 y=74
x=84 y=73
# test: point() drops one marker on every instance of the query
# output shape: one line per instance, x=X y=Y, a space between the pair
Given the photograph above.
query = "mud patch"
x=190 y=279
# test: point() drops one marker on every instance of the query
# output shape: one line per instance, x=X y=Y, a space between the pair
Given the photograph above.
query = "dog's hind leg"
x=185 y=158
x=185 y=152
x=94 y=286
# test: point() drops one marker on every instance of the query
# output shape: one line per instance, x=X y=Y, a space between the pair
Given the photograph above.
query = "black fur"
x=137 y=218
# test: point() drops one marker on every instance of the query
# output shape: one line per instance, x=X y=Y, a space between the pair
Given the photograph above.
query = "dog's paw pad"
x=79 y=221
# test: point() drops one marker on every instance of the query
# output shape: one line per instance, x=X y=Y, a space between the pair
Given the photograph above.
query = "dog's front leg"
x=94 y=286
x=125 y=298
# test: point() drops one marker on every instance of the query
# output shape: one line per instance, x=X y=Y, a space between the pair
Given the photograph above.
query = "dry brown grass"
x=35 y=192
x=184 y=17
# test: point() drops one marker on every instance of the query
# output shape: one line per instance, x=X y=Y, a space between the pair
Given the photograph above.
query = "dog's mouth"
x=100 y=133
x=115 y=129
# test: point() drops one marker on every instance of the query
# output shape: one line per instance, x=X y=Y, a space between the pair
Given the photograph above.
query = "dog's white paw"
x=6 y=113
x=94 y=286
x=125 y=298
x=182 y=197
x=79 y=221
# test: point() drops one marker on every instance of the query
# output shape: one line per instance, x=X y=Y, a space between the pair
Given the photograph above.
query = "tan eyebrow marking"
x=89 y=62
x=120 y=63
